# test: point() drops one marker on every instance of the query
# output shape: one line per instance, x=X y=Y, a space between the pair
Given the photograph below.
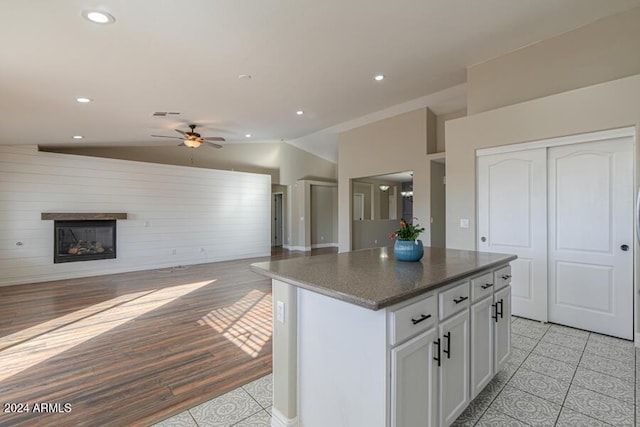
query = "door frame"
x=624 y=132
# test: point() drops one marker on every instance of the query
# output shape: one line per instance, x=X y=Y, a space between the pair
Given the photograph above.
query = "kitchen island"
x=361 y=339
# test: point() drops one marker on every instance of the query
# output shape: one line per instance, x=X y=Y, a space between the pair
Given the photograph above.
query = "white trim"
x=279 y=420
x=637 y=340
x=297 y=248
x=324 y=245
x=563 y=140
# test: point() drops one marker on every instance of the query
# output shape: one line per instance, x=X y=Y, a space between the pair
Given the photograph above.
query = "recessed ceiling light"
x=248 y=135
x=98 y=17
x=78 y=136
x=379 y=77
x=83 y=100
x=299 y=112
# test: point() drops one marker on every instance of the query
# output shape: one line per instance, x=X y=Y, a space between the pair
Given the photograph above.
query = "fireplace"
x=84 y=240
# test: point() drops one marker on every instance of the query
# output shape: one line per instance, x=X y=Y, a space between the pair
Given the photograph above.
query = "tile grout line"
x=507 y=382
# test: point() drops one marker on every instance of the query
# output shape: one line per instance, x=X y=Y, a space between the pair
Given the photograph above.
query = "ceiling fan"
x=193 y=139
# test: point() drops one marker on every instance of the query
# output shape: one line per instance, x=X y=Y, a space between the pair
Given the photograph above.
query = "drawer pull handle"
x=506 y=277
x=495 y=311
x=422 y=318
x=448 y=350
x=486 y=285
x=459 y=300
x=437 y=358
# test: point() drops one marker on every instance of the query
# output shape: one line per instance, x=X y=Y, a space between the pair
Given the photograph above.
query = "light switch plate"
x=280 y=311
x=464 y=222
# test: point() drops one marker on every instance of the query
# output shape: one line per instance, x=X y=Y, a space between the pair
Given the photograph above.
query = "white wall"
x=205 y=215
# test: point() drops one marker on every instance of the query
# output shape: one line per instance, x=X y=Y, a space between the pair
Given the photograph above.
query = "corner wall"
x=391 y=145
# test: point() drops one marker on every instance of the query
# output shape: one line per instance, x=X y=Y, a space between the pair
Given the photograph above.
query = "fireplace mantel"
x=79 y=216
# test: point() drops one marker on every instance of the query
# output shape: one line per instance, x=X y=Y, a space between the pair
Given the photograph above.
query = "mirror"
x=378 y=205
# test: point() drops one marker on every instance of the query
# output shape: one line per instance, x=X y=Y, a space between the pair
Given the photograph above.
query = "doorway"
x=567 y=212
x=277 y=229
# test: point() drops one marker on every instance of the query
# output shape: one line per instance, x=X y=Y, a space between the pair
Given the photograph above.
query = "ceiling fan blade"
x=162 y=136
x=182 y=144
x=214 y=138
x=180 y=132
x=211 y=144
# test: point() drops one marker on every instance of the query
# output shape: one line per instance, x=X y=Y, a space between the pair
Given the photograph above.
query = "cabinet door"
x=502 y=327
x=413 y=382
x=482 y=347
x=454 y=369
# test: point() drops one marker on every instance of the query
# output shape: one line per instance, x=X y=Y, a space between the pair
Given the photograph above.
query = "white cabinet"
x=413 y=382
x=502 y=327
x=482 y=344
x=490 y=330
x=454 y=367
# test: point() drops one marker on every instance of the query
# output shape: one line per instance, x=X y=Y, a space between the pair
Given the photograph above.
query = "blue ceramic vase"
x=408 y=250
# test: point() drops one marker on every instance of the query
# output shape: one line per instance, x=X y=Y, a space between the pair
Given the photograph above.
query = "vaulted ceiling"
x=240 y=67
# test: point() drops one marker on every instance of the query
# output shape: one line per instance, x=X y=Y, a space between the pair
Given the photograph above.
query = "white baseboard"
x=324 y=245
x=297 y=248
x=637 y=340
x=279 y=420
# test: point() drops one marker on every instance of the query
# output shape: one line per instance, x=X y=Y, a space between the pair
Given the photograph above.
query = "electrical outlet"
x=280 y=311
x=174 y=251
x=147 y=223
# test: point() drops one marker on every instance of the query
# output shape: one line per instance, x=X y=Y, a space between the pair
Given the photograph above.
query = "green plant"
x=407 y=231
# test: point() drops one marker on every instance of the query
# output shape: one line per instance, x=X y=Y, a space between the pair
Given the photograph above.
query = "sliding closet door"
x=512 y=219
x=591 y=236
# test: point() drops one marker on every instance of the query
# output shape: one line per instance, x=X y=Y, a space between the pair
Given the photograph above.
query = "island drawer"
x=408 y=321
x=454 y=300
x=481 y=286
x=502 y=277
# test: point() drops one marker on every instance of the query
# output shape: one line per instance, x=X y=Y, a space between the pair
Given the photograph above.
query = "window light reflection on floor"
x=47 y=340
x=246 y=323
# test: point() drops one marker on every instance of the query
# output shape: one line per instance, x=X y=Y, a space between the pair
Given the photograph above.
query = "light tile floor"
x=246 y=406
x=557 y=376
x=560 y=376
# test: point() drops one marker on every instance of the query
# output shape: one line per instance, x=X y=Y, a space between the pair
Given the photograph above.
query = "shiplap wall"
x=204 y=215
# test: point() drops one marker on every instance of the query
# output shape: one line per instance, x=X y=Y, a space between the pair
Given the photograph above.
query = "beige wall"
x=438 y=205
x=392 y=145
x=605 y=50
x=605 y=106
x=440 y=127
x=323 y=206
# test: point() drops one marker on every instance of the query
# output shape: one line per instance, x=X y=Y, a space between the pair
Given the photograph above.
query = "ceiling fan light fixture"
x=193 y=143
x=98 y=17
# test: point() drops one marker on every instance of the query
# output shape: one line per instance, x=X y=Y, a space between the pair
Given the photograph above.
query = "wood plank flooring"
x=132 y=349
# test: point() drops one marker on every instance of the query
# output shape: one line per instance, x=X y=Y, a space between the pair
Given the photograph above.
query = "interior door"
x=512 y=219
x=591 y=236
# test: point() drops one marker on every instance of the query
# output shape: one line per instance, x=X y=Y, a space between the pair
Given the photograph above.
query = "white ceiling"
x=186 y=56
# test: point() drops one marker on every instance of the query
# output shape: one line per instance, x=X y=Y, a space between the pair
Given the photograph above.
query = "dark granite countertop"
x=373 y=278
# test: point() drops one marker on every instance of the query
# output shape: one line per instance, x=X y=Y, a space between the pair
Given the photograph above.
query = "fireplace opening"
x=84 y=240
